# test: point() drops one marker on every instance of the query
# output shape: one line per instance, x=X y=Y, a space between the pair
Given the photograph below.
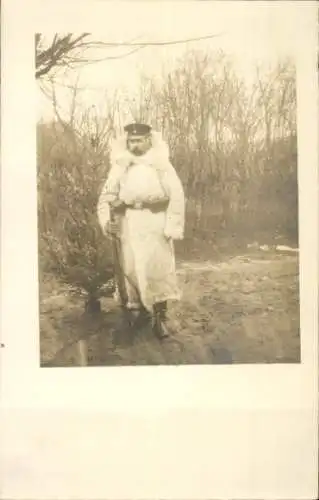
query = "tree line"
x=233 y=145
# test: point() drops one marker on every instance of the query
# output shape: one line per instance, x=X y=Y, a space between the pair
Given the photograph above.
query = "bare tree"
x=58 y=52
x=70 y=50
x=227 y=140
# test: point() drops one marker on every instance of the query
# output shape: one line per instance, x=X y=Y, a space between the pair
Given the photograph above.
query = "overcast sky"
x=249 y=32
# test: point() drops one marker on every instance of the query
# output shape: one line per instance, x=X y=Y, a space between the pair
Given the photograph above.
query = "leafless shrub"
x=72 y=165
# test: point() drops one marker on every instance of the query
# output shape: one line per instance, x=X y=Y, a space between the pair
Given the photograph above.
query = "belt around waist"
x=158 y=206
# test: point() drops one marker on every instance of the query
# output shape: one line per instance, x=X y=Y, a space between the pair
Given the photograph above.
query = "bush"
x=71 y=243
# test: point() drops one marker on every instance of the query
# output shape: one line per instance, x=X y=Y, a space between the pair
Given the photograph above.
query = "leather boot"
x=160 y=327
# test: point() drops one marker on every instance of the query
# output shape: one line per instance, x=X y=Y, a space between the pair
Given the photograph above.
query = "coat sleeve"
x=109 y=193
x=175 y=215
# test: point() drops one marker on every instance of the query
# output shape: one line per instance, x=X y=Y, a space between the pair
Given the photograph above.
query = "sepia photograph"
x=159 y=221
x=167 y=182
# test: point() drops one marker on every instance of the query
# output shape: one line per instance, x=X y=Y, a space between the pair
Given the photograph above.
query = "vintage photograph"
x=167 y=171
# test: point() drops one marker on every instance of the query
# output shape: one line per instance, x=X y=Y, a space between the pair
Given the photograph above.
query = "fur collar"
x=157 y=156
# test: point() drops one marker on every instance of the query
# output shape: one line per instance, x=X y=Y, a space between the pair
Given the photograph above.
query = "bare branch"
x=152 y=44
x=63 y=51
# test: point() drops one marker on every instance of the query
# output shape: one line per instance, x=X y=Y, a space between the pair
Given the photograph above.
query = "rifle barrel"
x=119 y=275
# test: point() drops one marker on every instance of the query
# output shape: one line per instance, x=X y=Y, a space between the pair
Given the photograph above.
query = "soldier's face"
x=138 y=145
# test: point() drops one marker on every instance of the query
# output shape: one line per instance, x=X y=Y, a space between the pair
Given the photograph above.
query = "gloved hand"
x=173 y=235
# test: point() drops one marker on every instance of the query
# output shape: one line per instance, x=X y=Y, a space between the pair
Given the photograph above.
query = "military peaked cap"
x=137 y=129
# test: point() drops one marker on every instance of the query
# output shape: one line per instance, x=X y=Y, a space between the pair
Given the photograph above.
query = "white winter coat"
x=148 y=258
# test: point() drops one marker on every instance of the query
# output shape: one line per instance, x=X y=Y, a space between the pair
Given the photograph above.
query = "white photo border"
x=139 y=392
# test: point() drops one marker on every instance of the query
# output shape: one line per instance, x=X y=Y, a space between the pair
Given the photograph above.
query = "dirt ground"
x=242 y=309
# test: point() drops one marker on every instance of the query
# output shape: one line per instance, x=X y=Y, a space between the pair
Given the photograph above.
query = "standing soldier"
x=145 y=192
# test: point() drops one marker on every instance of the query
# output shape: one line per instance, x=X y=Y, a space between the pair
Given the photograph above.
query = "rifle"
x=118 y=270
